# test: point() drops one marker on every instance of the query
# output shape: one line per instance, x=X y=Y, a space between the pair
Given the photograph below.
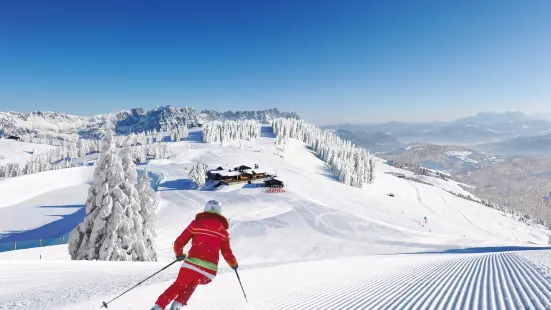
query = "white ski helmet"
x=213 y=206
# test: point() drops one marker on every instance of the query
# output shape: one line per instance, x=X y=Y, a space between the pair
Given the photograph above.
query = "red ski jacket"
x=209 y=236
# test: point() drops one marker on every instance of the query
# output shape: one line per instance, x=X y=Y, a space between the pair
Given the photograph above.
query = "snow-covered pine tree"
x=148 y=199
x=140 y=252
x=198 y=173
x=184 y=132
x=105 y=233
x=371 y=170
x=13 y=170
x=72 y=150
x=82 y=147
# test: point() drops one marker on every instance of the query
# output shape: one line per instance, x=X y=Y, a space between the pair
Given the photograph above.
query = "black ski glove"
x=181 y=258
x=235 y=267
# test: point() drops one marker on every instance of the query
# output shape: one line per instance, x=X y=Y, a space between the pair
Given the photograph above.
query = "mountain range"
x=378 y=142
x=521 y=146
x=482 y=128
x=128 y=121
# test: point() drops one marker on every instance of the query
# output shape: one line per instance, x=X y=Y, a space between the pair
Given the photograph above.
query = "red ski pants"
x=183 y=287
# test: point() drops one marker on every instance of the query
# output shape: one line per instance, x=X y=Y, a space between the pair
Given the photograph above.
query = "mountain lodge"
x=240 y=174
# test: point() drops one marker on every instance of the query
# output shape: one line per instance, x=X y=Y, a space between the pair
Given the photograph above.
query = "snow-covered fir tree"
x=371 y=170
x=141 y=252
x=106 y=233
x=349 y=163
x=230 y=131
x=82 y=146
x=198 y=173
x=148 y=199
x=183 y=132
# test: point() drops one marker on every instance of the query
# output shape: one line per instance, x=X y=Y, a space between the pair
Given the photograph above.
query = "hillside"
x=453 y=159
x=519 y=183
x=522 y=146
x=51 y=124
x=317 y=225
x=374 y=142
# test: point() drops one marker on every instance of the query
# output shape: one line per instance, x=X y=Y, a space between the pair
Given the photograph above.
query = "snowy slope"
x=319 y=245
x=18 y=189
x=12 y=151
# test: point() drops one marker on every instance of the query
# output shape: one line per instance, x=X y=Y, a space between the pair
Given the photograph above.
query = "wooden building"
x=254 y=174
x=240 y=174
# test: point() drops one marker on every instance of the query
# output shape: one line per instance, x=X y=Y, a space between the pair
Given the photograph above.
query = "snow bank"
x=18 y=189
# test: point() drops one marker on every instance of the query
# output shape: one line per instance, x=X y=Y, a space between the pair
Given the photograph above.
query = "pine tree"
x=148 y=199
x=105 y=233
x=371 y=170
x=140 y=252
x=82 y=147
x=198 y=172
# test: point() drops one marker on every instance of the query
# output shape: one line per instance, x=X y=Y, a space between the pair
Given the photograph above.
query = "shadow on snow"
x=177 y=185
x=267 y=132
x=54 y=229
x=195 y=136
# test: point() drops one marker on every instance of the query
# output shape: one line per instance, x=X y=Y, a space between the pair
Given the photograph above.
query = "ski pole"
x=128 y=290
x=239 y=279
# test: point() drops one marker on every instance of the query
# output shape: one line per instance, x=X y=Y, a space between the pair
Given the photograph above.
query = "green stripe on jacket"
x=202 y=263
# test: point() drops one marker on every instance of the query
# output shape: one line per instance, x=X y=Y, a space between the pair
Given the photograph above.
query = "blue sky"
x=330 y=61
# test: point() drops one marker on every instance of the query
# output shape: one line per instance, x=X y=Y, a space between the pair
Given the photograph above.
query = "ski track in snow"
x=444 y=282
x=453 y=207
x=488 y=281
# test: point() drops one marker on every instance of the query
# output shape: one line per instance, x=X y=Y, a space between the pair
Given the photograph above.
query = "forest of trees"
x=230 y=131
x=418 y=170
x=353 y=166
x=144 y=145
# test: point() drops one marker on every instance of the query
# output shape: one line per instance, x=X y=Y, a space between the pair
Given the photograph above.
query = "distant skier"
x=425 y=220
x=209 y=236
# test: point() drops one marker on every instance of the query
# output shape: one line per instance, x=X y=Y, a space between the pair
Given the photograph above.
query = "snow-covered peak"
x=68 y=126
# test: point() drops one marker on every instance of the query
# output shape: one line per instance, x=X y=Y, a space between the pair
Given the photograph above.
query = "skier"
x=209 y=236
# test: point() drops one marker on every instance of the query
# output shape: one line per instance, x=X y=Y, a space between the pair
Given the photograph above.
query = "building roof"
x=225 y=173
x=250 y=171
x=243 y=167
x=273 y=178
